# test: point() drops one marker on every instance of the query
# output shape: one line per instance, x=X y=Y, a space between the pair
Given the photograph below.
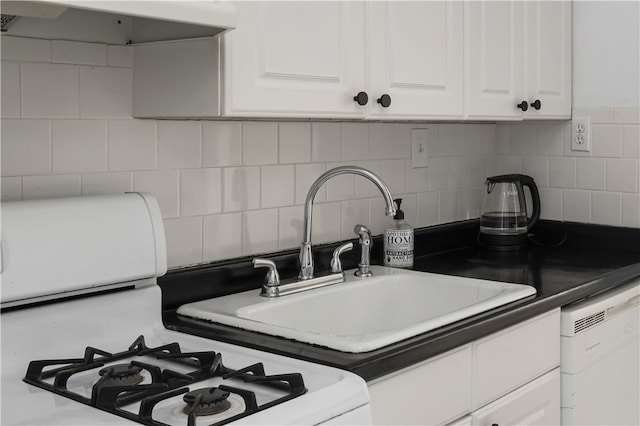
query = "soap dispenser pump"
x=398 y=241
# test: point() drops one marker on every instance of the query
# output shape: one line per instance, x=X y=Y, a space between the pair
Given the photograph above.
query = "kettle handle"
x=535 y=198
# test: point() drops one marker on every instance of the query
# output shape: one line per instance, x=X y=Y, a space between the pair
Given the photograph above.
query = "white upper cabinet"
x=312 y=59
x=415 y=57
x=518 y=59
x=295 y=59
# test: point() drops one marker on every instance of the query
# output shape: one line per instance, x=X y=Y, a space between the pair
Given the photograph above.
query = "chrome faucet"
x=306 y=256
x=365 y=245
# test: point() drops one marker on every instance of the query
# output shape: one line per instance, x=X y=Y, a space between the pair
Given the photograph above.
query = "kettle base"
x=503 y=242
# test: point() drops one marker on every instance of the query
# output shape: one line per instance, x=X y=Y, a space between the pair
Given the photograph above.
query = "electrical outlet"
x=419 y=142
x=581 y=134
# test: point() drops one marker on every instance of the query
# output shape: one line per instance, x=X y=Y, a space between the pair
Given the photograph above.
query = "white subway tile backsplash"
x=477 y=170
x=380 y=141
x=290 y=232
x=550 y=203
x=477 y=139
x=327 y=223
x=120 y=56
x=354 y=212
x=549 y=139
x=184 y=241
x=427 y=209
x=469 y=203
x=622 y=175
x=393 y=174
x=164 y=185
x=294 y=143
x=260 y=234
x=107 y=183
x=50 y=186
x=221 y=143
x=438 y=172
x=179 y=144
x=79 y=146
x=222 y=236
x=25 y=49
x=627 y=115
x=378 y=220
x=448 y=206
x=200 y=191
x=503 y=143
x=326 y=142
x=259 y=143
x=631 y=141
x=522 y=139
x=10 y=76
x=538 y=168
x=504 y=164
x=562 y=172
x=597 y=115
x=240 y=189
x=11 y=189
x=459 y=172
x=50 y=90
x=606 y=140
x=606 y=208
x=402 y=140
x=132 y=145
x=576 y=205
x=364 y=187
x=26 y=147
x=305 y=175
x=77 y=52
x=106 y=92
x=417 y=180
x=631 y=210
x=341 y=187
x=448 y=140
x=591 y=173
x=277 y=186
x=355 y=141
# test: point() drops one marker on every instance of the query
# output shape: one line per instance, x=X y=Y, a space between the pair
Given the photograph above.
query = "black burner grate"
x=110 y=393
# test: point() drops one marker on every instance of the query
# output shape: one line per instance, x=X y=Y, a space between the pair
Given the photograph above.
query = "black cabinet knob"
x=536 y=104
x=361 y=98
x=384 y=100
x=523 y=105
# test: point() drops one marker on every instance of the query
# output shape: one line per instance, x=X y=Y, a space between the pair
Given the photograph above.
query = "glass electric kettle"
x=504 y=224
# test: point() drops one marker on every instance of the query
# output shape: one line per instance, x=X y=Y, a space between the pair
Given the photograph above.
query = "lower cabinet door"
x=536 y=403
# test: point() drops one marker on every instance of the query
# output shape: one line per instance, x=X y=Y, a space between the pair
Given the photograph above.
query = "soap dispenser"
x=398 y=241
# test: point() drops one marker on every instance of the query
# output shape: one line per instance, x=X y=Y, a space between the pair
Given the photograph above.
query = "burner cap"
x=213 y=401
x=122 y=374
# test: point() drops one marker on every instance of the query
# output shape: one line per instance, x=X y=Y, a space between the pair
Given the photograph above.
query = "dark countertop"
x=593 y=259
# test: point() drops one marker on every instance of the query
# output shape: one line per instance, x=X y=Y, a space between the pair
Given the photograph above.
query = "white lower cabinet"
x=508 y=377
x=536 y=403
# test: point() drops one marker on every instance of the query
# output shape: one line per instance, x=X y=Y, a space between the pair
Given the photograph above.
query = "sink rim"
x=234 y=310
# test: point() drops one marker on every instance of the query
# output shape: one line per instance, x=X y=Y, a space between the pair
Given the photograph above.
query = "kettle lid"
x=508 y=178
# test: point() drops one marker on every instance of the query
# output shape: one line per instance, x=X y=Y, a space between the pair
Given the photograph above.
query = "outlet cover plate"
x=581 y=134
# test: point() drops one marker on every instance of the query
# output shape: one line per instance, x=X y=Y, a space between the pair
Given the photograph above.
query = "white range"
x=83 y=340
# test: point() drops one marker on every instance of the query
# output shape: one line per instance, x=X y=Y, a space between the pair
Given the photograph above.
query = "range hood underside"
x=119 y=22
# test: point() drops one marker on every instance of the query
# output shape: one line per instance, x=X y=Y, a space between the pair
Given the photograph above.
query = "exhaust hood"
x=137 y=21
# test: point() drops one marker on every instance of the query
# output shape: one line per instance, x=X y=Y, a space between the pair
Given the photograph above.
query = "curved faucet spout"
x=306 y=258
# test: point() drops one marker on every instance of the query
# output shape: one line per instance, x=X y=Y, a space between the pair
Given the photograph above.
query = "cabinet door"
x=536 y=403
x=415 y=55
x=295 y=59
x=547 y=61
x=493 y=59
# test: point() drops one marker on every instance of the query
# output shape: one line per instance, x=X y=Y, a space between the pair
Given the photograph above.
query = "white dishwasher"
x=601 y=358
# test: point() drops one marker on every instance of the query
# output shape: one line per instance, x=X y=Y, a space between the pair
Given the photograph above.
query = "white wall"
x=606 y=53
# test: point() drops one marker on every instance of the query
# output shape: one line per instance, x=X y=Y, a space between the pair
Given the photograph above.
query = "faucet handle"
x=272 y=278
x=336 y=265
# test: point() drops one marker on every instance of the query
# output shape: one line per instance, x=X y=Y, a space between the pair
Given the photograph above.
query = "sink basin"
x=361 y=314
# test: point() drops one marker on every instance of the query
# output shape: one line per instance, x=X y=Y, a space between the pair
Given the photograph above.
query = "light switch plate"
x=419 y=143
